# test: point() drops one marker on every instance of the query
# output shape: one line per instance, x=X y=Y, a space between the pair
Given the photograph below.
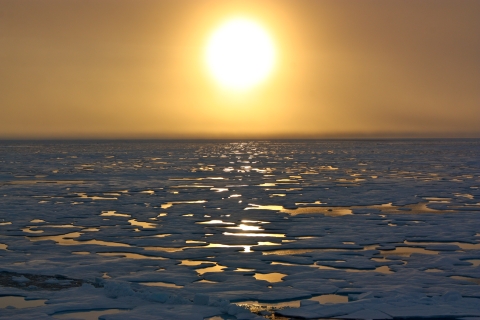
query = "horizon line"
x=333 y=136
x=232 y=139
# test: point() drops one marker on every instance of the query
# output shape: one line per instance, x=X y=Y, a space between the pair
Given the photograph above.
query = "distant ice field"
x=382 y=229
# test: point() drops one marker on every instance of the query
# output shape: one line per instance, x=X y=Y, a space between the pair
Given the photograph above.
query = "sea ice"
x=184 y=230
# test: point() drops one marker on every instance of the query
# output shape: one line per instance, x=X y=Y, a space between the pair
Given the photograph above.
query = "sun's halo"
x=240 y=54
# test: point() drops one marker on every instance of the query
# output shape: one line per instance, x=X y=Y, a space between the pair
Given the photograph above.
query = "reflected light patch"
x=215 y=222
x=245 y=227
x=270 y=277
x=244 y=234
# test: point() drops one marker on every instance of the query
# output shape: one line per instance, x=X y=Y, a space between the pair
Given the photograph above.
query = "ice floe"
x=240 y=230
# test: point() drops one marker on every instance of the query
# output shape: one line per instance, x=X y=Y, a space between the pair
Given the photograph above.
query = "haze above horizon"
x=117 y=69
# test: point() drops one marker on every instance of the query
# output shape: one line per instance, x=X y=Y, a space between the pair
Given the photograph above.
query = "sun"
x=240 y=54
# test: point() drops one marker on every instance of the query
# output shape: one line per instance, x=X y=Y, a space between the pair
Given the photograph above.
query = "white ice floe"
x=197 y=230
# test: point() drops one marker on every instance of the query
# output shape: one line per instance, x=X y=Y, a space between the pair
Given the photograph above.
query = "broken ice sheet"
x=161 y=228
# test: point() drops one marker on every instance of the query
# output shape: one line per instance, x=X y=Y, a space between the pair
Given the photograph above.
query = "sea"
x=220 y=229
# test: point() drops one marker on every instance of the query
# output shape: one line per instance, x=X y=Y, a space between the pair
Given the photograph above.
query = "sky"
x=137 y=69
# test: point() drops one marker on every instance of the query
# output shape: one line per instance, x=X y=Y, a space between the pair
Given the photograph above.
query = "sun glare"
x=240 y=54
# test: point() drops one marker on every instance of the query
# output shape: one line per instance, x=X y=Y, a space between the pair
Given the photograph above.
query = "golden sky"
x=137 y=69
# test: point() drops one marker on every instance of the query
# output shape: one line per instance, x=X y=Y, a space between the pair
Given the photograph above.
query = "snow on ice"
x=240 y=230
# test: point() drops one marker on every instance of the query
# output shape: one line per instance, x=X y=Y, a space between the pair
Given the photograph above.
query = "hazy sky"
x=136 y=69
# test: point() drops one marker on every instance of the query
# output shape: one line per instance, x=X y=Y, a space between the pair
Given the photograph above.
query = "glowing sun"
x=240 y=54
